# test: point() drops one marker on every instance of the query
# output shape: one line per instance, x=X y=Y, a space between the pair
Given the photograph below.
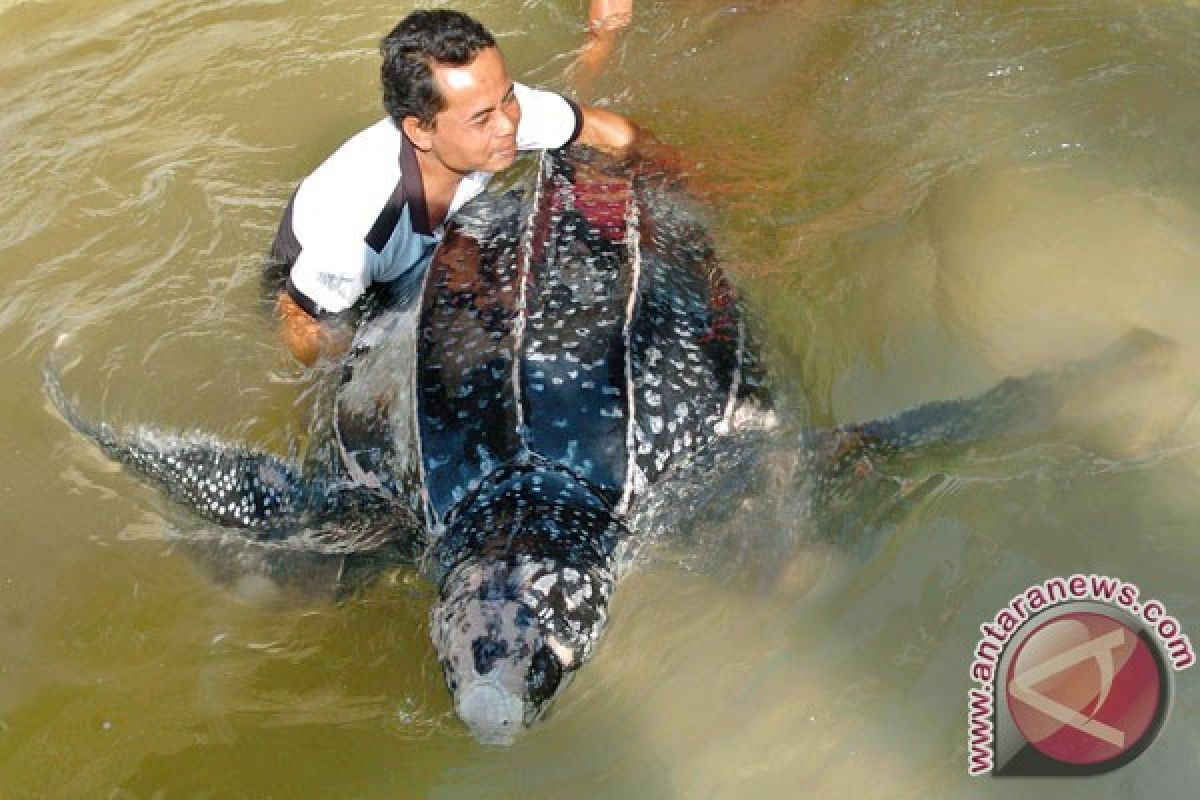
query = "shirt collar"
x=414 y=188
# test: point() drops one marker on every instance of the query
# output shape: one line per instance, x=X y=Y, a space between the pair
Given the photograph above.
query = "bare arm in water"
x=608 y=131
x=607 y=19
x=307 y=337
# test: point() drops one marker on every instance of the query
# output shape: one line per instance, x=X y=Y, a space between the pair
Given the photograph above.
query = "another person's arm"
x=609 y=13
x=606 y=20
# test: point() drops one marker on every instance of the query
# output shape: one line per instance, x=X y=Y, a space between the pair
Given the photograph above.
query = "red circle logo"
x=1084 y=688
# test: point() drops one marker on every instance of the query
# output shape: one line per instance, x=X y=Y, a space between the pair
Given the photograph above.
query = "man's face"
x=478 y=128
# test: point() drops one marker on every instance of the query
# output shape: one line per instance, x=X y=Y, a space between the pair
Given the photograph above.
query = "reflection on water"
x=919 y=198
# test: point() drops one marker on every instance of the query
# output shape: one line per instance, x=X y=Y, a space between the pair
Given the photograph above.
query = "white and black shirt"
x=360 y=217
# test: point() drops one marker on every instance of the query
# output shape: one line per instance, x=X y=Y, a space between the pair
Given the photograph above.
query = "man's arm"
x=641 y=150
x=307 y=338
x=606 y=130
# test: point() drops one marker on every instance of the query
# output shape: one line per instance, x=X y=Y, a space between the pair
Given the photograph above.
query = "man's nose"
x=507 y=122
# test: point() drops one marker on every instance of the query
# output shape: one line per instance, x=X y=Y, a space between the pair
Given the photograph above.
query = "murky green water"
x=918 y=197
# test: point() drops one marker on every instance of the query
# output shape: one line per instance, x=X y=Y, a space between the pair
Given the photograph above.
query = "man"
x=373 y=212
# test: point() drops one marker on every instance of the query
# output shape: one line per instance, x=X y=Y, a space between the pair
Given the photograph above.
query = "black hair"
x=409 y=53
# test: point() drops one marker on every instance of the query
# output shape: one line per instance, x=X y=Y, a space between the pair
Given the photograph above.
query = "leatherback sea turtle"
x=502 y=423
x=567 y=351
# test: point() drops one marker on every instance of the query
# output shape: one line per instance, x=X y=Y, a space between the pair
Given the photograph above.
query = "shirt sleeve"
x=319 y=287
x=330 y=272
x=548 y=120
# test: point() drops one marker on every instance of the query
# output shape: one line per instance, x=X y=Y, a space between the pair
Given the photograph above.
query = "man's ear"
x=420 y=135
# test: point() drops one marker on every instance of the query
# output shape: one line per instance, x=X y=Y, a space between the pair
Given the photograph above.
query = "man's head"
x=446 y=86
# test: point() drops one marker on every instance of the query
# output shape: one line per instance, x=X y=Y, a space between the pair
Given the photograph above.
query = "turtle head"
x=509 y=632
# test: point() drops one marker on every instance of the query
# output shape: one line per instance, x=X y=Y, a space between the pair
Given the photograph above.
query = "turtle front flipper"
x=1125 y=402
x=264 y=496
x=231 y=486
